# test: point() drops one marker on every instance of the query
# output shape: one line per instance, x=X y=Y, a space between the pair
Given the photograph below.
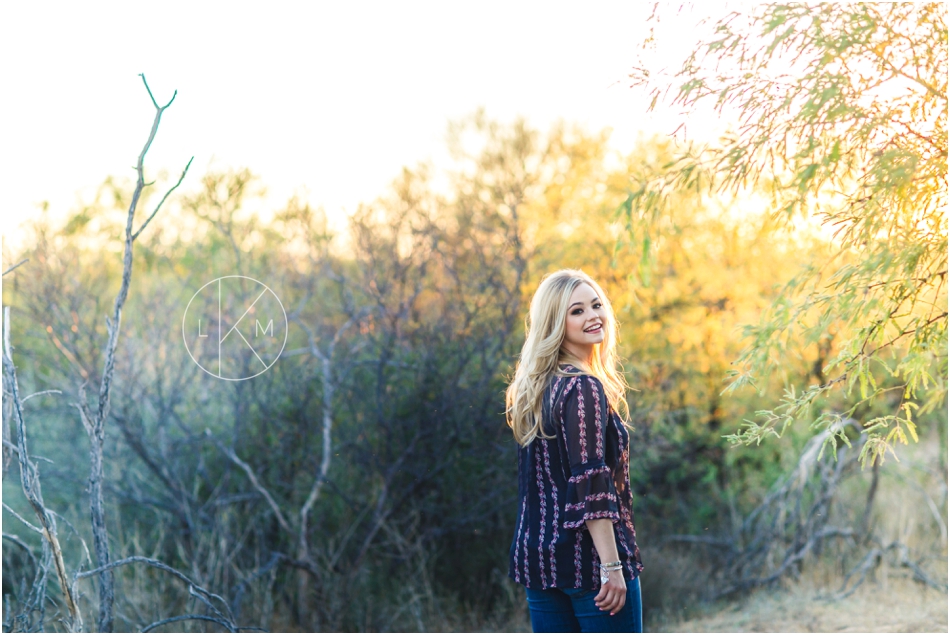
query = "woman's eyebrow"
x=596 y=299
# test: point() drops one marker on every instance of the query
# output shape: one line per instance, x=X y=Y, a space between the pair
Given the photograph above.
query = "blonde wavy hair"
x=542 y=355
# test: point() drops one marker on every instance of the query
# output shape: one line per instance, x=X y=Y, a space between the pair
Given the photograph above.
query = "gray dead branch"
x=29 y=615
x=796 y=520
x=94 y=419
x=30 y=483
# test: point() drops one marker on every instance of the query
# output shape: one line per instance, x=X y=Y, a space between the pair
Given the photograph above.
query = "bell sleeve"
x=591 y=493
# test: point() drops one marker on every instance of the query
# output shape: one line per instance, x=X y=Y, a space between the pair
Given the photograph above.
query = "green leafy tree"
x=841 y=114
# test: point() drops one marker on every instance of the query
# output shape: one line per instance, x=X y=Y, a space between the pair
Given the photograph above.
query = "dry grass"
x=910 y=508
x=893 y=603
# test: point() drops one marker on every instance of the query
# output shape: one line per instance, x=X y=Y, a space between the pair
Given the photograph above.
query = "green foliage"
x=841 y=114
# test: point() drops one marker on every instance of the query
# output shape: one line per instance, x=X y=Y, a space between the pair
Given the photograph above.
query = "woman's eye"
x=577 y=311
x=597 y=306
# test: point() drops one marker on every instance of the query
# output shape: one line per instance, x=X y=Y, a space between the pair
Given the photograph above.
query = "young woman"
x=575 y=547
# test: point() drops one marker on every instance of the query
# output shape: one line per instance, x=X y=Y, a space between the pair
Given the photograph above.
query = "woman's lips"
x=596 y=329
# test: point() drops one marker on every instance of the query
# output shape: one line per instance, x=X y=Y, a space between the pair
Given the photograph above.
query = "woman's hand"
x=613 y=595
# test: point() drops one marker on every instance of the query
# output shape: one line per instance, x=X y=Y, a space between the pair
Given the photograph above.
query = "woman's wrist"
x=615 y=577
x=609 y=571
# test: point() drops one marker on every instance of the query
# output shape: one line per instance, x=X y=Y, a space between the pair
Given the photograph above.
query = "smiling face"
x=586 y=320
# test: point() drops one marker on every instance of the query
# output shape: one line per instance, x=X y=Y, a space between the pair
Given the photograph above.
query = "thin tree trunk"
x=94 y=421
x=101 y=536
x=869 y=506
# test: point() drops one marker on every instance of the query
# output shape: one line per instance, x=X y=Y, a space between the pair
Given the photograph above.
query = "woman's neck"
x=581 y=353
x=573 y=360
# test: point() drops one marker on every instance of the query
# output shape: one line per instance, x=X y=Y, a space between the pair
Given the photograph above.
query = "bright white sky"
x=326 y=100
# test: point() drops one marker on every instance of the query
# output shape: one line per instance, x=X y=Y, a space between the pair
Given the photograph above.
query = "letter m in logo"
x=269 y=327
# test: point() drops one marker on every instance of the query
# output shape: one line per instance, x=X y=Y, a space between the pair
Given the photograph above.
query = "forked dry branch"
x=93 y=420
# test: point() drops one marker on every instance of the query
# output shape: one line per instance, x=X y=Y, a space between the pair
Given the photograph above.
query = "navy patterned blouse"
x=581 y=474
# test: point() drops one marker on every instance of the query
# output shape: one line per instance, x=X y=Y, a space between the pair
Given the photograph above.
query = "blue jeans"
x=574 y=611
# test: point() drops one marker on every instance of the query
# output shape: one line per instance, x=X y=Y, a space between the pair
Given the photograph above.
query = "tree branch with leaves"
x=840 y=115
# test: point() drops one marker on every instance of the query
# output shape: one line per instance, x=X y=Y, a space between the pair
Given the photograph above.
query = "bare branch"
x=14 y=267
x=249 y=471
x=30 y=481
x=873 y=558
x=151 y=96
x=23 y=520
x=42 y=392
x=85 y=416
x=94 y=422
x=161 y=202
x=162 y=566
x=206 y=618
x=329 y=387
x=25 y=547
